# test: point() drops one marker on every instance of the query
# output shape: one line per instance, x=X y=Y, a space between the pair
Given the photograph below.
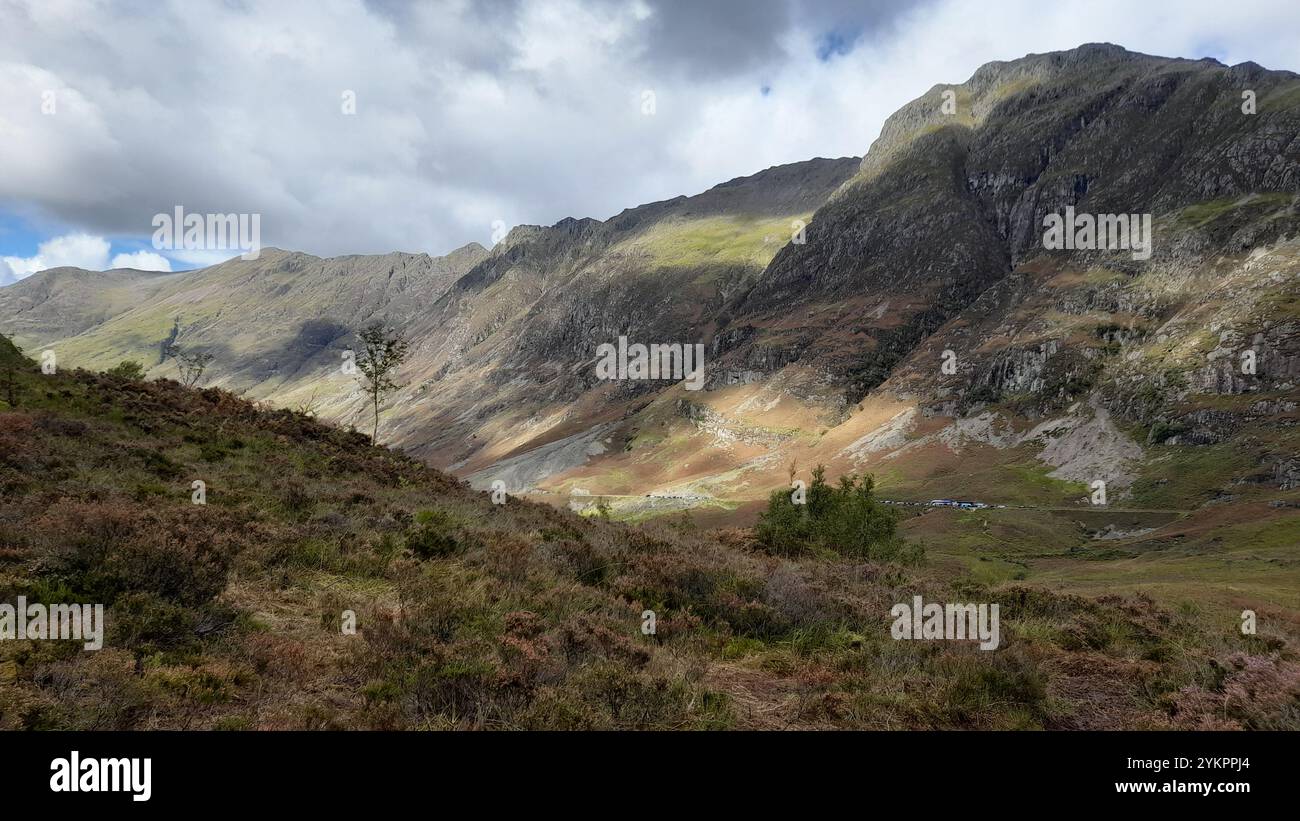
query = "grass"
x=1004 y=478
x=1182 y=478
x=1216 y=564
x=1238 y=210
x=711 y=243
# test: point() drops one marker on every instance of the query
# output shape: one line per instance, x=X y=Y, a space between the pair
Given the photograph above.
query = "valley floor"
x=1222 y=559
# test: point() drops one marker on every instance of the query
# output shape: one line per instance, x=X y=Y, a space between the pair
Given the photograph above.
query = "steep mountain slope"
x=835 y=352
x=948 y=203
x=509 y=349
x=526 y=314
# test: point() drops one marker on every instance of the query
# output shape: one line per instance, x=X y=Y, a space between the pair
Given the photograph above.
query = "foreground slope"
x=469 y=614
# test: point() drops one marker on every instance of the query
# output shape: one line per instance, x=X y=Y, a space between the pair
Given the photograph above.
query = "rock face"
x=950 y=200
x=857 y=312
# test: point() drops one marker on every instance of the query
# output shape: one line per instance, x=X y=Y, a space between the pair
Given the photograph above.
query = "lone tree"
x=382 y=351
x=191 y=364
x=10 y=355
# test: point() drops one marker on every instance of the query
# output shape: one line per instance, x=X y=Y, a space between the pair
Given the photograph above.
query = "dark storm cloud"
x=727 y=37
x=869 y=17
x=717 y=38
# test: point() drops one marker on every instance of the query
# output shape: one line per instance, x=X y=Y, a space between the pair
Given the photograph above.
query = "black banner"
x=145 y=772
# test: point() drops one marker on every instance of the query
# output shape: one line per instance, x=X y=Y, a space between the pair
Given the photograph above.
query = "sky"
x=370 y=126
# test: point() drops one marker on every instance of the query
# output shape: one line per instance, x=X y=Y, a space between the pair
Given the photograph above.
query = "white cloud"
x=468 y=112
x=78 y=250
x=142 y=261
x=75 y=250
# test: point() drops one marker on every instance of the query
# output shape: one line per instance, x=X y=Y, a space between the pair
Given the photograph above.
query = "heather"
x=470 y=615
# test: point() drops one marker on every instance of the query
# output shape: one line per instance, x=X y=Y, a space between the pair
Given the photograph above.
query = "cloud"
x=473 y=112
x=141 y=261
x=78 y=250
x=708 y=40
x=74 y=250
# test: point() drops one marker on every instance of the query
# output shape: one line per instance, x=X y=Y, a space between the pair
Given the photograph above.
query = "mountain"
x=918 y=328
x=279 y=326
x=1071 y=367
x=273 y=325
x=60 y=303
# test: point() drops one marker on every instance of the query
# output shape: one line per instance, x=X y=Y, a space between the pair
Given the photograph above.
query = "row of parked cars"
x=944 y=503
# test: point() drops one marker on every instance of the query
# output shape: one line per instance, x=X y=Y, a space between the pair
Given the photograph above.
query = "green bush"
x=846 y=520
x=127 y=369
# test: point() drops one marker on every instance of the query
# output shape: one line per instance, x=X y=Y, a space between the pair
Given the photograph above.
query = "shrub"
x=785 y=528
x=508 y=557
x=212 y=452
x=61 y=426
x=296 y=501
x=1253 y=692
x=126 y=369
x=797 y=601
x=106 y=550
x=977 y=683
x=453 y=688
x=845 y=519
x=578 y=560
x=147 y=623
x=157 y=463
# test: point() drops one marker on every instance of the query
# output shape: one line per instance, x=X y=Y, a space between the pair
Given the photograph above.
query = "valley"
x=921 y=330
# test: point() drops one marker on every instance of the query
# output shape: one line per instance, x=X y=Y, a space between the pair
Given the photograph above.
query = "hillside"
x=63 y=302
x=228 y=615
x=275 y=326
x=1068 y=367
